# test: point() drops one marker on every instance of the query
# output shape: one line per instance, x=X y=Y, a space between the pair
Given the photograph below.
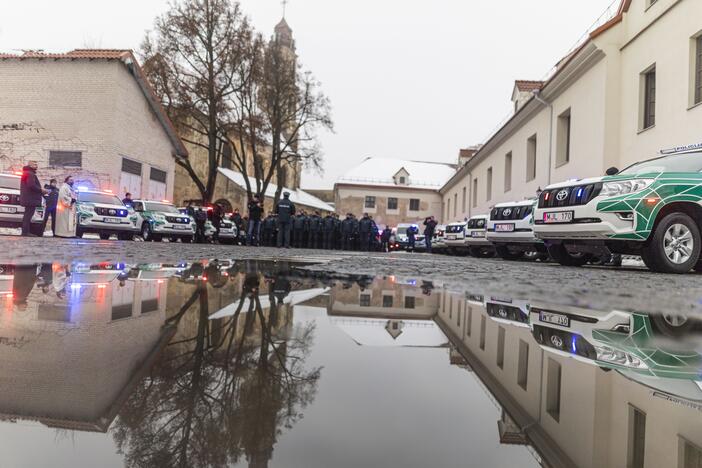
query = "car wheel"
x=673 y=325
x=79 y=233
x=186 y=240
x=674 y=247
x=505 y=254
x=560 y=254
x=104 y=236
x=146 y=233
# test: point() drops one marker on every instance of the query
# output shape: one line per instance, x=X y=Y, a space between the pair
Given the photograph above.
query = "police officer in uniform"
x=315 y=239
x=268 y=228
x=364 y=231
x=328 y=229
x=299 y=230
x=347 y=227
x=285 y=211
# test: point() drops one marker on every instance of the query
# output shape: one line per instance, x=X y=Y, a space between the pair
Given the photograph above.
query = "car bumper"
x=517 y=237
x=457 y=242
x=587 y=224
x=91 y=225
x=228 y=234
x=171 y=230
x=478 y=241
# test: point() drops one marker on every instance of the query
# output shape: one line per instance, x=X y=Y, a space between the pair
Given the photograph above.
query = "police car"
x=511 y=231
x=651 y=208
x=159 y=219
x=508 y=311
x=103 y=213
x=228 y=232
x=11 y=212
x=455 y=237
x=476 y=237
x=209 y=227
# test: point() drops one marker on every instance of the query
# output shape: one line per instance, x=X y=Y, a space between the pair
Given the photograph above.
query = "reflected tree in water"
x=225 y=391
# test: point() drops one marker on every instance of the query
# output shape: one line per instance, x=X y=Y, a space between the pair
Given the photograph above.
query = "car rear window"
x=9 y=182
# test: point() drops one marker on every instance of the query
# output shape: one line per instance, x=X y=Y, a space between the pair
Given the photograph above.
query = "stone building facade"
x=90 y=114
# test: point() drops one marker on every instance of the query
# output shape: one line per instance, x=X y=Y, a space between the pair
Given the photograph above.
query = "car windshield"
x=162 y=207
x=687 y=162
x=102 y=198
x=9 y=182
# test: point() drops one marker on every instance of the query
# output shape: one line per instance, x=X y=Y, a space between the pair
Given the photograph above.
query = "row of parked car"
x=104 y=214
x=651 y=209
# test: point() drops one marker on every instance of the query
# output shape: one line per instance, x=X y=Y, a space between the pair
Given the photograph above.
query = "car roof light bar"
x=681 y=149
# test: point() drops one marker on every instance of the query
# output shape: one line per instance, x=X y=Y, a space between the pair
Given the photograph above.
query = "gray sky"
x=407 y=78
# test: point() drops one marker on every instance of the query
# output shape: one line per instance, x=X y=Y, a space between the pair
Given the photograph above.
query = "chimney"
x=465 y=154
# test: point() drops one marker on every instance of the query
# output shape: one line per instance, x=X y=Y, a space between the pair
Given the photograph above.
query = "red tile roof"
x=127 y=57
x=528 y=85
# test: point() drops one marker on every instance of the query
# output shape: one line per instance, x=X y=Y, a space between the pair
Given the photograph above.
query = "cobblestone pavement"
x=596 y=287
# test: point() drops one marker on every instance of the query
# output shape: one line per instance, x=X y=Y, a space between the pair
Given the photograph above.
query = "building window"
x=475 y=193
x=531 y=159
x=553 y=390
x=158 y=175
x=458 y=315
x=482 y=332
x=455 y=204
x=402 y=180
x=489 y=184
x=463 y=202
x=698 y=70
x=131 y=167
x=469 y=321
x=370 y=202
x=563 y=139
x=392 y=203
x=448 y=209
x=508 y=172
x=409 y=302
x=501 y=348
x=692 y=455
x=387 y=301
x=122 y=311
x=648 y=94
x=65 y=159
x=523 y=364
x=414 y=204
x=364 y=300
x=637 y=438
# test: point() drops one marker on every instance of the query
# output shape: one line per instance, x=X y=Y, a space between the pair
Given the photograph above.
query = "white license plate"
x=8 y=209
x=504 y=227
x=556 y=319
x=477 y=234
x=451 y=237
x=111 y=220
x=558 y=217
x=177 y=226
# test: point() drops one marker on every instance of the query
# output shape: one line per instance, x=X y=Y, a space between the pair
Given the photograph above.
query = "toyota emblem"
x=507 y=212
x=502 y=312
x=562 y=195
x=4 y=198
x=113 y=212
x=557 y=341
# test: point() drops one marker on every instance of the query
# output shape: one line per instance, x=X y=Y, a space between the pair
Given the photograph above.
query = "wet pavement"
x=287 y=364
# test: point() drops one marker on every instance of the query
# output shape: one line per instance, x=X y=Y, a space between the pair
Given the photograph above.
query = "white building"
x=631 y=88
x=87 y=113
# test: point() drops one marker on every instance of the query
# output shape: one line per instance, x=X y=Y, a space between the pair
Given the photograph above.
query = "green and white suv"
x=652 y=208
x=159 y=219
x=103 y=213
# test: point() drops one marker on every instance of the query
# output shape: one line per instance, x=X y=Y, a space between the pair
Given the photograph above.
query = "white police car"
x=511 y=231
x=476 y=237
x=11 y=213
x=159 y=219
x=455 y=237
x=103 y=213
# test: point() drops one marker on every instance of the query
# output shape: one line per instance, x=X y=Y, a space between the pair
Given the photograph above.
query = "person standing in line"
x=254 y=226
x=285 y=211
x=66 y=210
x=217 y=218
x=364 y=232
x=385 y=239
x=316 y=228
x=337 y=236
x=200 y=216
x=430 y=226
x=355 y=244
x=31 y=195
x=328 y=228
x=51 y=201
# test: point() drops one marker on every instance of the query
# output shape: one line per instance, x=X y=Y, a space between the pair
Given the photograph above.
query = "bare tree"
x=193 y=58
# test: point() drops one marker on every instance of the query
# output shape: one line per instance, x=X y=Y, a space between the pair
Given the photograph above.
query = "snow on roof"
x=299 y=197
x=381 y=171
x=373 y=332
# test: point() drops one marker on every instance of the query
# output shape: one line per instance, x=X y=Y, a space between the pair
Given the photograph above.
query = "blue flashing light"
x=580 y=192
x=75 y=286
x=572 y=345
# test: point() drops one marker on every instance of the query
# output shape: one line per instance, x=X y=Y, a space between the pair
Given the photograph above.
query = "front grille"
x=511 y=313
x=115 y=212
x=225 y=225
x=454 y=229
x=510 y=213
x=177 y=220
x=569 y=196
x=9 y=199
x=564 y=341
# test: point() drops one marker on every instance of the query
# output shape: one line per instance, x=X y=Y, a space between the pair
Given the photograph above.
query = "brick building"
x=90 y=114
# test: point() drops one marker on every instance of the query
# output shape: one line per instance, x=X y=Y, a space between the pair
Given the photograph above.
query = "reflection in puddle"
x=216 y=363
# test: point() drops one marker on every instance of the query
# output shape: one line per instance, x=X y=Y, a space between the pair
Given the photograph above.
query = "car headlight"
x=624 y=187
x=86 y=208
x=159 y=217
x=619 y=358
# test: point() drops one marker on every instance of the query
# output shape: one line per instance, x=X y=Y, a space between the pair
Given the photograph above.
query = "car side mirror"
x=612 y=171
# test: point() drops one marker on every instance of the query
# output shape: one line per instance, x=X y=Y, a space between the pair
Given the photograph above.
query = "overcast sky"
x=407 y=79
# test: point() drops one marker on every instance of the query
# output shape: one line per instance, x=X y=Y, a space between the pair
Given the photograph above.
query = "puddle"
x=254 y=363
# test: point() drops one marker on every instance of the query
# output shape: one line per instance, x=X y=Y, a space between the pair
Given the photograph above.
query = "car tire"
x=480 y=252
x=674 y=246
x=79 y=233
x=505 y=254
x=146 y=233
x=186 y=240
x=560 y=254
x=673 y=325
x=125 y=236
x=104 y=236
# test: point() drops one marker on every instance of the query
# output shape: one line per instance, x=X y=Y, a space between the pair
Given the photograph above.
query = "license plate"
x=556 y=319
x=111 y=220
x=477 y=234
x=8 y=209
x=504 y=227
x=181 y=227
x=558 y=217
x=451 y=237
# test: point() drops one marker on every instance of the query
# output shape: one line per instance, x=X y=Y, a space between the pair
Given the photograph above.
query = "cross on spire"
x=285 y=4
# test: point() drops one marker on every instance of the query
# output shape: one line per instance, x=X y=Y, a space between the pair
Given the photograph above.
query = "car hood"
x=575 y=183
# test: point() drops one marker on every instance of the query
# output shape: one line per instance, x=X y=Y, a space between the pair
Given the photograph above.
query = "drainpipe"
x=537 y=96
x=470 y=194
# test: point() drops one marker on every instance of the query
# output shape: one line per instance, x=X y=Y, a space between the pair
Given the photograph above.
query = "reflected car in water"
x=508 y=311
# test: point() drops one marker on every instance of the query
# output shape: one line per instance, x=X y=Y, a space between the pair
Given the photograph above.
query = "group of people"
x=59 y=203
